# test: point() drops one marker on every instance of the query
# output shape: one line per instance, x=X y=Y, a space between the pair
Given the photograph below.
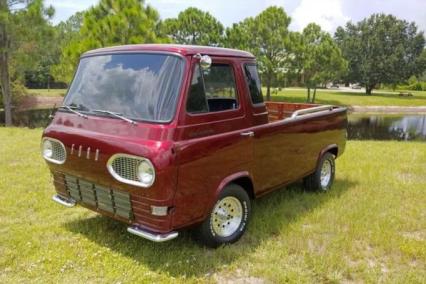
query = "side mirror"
x=205 y=62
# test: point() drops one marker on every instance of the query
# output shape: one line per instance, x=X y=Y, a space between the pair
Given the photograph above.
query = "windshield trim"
x=181 y=85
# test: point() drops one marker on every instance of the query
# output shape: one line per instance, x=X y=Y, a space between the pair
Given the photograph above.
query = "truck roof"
x=175 y=48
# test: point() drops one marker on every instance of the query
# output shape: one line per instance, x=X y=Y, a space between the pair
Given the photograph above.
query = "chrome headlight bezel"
x=137 y=181
x=50 y=157
x=47 y=149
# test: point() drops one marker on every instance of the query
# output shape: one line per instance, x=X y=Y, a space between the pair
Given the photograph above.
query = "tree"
x=381 y=49
x=111 y=22
x=67 y=34
x=43 y=39
x=5 y=43
x=23 y=25
x=268 y=38
x=321 y=58
x=194 y=26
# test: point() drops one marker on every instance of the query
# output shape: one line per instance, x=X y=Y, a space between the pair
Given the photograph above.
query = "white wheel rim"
x=325 y=174
x=227 y=216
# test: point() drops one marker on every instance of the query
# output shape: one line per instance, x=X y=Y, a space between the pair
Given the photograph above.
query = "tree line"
x=379 y=49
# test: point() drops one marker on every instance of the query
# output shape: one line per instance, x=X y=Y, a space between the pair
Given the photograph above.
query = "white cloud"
x=75 y=5
x=326 y=13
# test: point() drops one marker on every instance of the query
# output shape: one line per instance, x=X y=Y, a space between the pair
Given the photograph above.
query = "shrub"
x=418 y=86
x=18 y=93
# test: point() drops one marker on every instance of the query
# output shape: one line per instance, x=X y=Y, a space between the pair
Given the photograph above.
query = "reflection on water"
x=387 y=127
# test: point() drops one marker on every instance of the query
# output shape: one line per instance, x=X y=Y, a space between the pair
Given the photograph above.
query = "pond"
x=360 y=127
x=387 y=127
x=29 y=118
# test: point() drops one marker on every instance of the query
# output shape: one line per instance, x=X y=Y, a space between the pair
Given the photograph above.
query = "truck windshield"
x=140 y=86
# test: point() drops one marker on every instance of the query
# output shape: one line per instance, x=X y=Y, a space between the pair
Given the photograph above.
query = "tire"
x=228 y=219
x=323 y=177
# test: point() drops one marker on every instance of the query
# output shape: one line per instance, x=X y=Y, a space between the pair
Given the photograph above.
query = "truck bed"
x=283 y=110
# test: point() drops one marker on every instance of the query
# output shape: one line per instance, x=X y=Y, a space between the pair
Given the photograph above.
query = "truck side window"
x=220 y=87
x=218 y=92
x=197 y=98
x=253 y=82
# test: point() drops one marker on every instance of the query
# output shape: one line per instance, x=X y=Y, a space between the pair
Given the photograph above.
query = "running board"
x=158 y=238
x=67 y=202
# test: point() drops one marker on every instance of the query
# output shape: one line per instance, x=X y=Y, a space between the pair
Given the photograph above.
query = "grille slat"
x=103 y=198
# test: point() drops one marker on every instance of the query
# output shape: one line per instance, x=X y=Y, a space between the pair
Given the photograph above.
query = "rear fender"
x=333 y=148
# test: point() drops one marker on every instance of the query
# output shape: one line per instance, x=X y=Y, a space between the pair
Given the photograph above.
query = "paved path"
x=31 y=102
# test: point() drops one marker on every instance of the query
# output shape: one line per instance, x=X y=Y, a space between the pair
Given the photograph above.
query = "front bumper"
x=67 y=202
x=155 y=237
x=158 y=238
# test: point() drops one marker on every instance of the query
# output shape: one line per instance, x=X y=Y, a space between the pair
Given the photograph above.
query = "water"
x=361 y=126
x=387 y=127
x=29 y=118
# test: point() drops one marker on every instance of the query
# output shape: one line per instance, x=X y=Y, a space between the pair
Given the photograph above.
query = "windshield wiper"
x=72 y=109
x=118 y=115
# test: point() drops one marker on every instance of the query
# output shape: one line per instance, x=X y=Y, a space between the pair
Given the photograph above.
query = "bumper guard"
x=68 y=202
x=158 y=238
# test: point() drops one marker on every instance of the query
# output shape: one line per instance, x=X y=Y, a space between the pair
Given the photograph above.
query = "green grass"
x=47 y=93
x=371 y=227
x=378 y=98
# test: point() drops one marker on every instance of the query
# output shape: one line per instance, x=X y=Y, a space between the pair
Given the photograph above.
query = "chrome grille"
x=103 y=198
x=58 y=152
x=126 y=167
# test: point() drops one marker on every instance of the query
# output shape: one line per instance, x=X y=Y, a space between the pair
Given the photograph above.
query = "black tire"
x=313 y=181
x=208 y=235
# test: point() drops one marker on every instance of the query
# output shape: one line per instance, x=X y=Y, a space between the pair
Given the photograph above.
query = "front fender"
x=227 y=180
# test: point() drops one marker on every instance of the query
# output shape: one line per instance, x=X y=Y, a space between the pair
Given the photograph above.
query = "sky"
x=329 y=14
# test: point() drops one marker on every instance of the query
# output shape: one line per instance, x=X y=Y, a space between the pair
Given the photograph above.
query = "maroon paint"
x=195 y=156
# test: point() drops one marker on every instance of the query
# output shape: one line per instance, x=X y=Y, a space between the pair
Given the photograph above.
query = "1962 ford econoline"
x=166 y=137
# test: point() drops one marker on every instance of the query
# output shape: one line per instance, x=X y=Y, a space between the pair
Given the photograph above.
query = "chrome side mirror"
x=205 y=61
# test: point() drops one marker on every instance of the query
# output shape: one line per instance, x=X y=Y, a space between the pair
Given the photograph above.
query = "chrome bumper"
x=68 y=202
x=158 y=238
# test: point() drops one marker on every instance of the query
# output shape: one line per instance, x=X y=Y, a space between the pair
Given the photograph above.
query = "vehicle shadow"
x=184 y=257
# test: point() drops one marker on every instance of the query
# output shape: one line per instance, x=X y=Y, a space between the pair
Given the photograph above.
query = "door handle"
x=247 y=133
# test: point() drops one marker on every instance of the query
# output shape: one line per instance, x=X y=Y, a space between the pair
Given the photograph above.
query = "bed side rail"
x=305 y=111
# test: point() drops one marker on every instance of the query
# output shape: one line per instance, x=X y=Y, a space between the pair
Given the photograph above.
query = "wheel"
x=323 y=177
x=228 y=219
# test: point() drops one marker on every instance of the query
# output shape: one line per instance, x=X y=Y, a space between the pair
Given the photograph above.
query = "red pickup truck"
x=167 y=137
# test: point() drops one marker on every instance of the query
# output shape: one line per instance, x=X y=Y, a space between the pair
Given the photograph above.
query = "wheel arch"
x=332 y=148
x=242 y=179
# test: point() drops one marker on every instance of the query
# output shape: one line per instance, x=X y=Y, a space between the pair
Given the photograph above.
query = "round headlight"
x=146 y=173
x=47 y=149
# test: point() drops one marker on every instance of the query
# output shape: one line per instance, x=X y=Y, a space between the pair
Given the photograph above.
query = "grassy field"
x=371 y=227
x=335 y=97
x=47 y=93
